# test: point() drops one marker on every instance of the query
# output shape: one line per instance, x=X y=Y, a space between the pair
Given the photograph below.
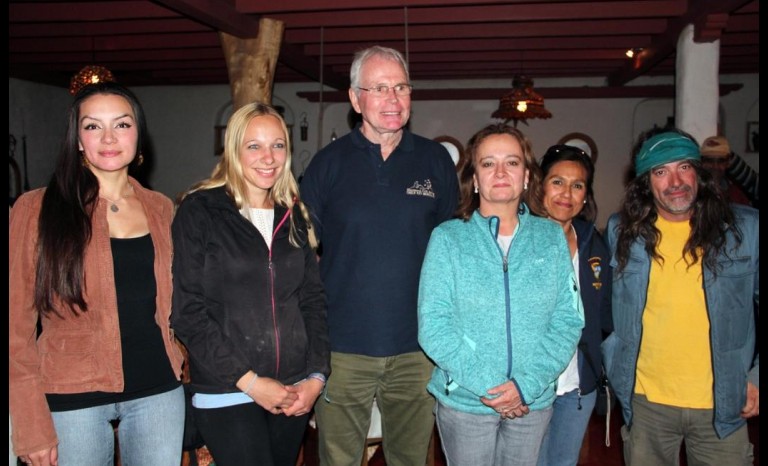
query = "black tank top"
x=146 y=368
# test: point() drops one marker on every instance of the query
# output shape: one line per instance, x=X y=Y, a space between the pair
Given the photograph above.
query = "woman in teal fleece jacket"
x=499 y=310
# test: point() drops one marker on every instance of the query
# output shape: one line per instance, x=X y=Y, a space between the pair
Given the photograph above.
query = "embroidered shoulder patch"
x=596 y=266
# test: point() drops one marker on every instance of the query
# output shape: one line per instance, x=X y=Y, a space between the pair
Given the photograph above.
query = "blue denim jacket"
x=731 y=296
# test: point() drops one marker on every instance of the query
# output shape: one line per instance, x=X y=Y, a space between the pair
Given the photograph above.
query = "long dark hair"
x=565 y=153
x=470 y=201
x=711 y=221
x=65 y=216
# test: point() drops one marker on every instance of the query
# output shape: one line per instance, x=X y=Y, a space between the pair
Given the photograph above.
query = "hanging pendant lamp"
x=90 y=74
x=521 y=103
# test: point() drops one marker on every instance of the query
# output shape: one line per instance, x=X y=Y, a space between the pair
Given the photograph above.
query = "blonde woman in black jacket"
x=248 y=302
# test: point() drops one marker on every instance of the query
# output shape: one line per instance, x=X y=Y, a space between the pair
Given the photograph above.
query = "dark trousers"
x=244 y=435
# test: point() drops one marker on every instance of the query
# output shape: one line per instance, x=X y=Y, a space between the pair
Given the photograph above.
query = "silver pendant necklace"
x=113 y=203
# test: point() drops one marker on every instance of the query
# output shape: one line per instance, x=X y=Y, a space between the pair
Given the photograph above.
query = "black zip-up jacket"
x=236 y=305
x=595 y=283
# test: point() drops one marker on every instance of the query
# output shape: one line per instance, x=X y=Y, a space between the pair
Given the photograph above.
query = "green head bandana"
x=664 y=148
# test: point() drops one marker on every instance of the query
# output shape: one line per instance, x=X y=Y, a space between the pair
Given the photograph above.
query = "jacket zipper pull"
x=506 y=265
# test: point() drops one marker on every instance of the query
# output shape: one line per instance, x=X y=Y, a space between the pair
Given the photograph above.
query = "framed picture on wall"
x=583 y=142
x=454 y=148
x=753 y=136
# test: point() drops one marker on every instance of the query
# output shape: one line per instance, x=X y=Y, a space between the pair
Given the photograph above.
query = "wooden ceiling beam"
x=105 y=28
x=611 y=92
x=55 y=11
x=223 y=17
x=261 y=7
x=533 y=43
x=220 y=16
x=571 y=11
x=201 y=53
x=665 y=43
x=491 y=29
x=514 y=35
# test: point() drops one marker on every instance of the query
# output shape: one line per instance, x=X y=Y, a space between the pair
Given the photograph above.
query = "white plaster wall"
x=38 y=112
x=182 y=119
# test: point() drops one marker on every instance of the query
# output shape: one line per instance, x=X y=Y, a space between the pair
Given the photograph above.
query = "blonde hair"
x=229 y=171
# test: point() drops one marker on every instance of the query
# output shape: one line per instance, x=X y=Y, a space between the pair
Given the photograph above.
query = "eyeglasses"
x=382 y=90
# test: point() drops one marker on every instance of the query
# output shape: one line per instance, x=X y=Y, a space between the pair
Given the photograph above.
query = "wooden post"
x=251 y=63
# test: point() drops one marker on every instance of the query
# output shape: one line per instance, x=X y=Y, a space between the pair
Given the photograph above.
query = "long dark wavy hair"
x=565 y=153
x=470 y=201
x=711 y=221
x=65 y=226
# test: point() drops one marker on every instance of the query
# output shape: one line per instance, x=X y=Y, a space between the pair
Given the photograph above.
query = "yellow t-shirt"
x=674 y=366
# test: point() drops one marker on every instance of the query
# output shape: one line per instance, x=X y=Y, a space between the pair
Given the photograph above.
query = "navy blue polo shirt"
x=374 y=219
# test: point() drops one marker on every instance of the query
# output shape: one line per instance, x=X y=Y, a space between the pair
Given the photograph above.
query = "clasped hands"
x=508 y=403
x=291 y=400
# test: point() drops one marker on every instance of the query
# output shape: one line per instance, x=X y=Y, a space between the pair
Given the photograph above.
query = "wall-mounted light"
x=631 y=53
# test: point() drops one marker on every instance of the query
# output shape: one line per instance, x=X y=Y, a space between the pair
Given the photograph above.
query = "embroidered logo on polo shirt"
x=421 y=189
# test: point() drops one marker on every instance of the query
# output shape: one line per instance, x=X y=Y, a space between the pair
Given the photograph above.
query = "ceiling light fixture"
x=521 y=103
x=631 y=53
x=90 y=74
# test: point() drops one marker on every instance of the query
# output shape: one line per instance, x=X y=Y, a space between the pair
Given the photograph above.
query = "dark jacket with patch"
x=595 y=286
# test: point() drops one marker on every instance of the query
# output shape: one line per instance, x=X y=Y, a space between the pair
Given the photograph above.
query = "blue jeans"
x=149 y=433
x=489 y=440
x=565 y=434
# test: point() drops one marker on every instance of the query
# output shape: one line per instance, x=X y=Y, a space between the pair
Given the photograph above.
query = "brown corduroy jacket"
x=73 y=354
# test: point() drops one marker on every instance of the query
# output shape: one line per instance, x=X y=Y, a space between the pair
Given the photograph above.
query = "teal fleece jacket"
x=485 y=319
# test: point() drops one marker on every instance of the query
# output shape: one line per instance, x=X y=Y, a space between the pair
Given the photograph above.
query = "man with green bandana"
x=681 y=358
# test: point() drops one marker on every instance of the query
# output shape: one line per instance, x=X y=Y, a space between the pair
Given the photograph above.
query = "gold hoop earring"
x=139 y=160
x=83 y=160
